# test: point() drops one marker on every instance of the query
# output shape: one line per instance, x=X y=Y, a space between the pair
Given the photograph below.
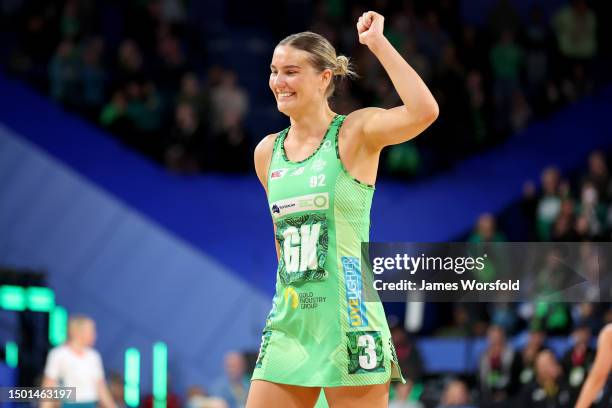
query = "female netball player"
x=599 y=371
x=319 y=175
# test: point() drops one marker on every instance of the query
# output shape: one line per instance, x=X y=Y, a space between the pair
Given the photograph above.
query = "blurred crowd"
x=575 y=208
x=140 y=70
x=490 y=81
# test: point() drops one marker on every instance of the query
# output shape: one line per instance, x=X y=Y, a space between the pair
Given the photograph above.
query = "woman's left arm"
x=383 y=127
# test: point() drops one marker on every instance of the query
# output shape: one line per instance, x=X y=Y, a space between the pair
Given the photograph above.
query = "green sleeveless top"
x=320 y=331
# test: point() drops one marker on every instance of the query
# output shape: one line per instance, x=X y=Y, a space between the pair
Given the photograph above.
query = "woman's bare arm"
x=384 y=127
x=600 y=370
x=262 y=158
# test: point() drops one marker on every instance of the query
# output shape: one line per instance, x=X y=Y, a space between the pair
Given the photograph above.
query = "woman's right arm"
x=262 y=158
x=600 y=370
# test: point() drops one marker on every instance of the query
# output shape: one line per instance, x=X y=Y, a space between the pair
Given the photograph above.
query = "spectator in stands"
x=198 y=398
x=234 y=386
x=537 y=39
x=497 y=369
x=116 y=388
x=549 y=203
x=552 y=314
x=587 y=314
x=64 y=75
x=114 y=116
x=70 y=24
x=548 y=389
x=171 y=64
x=431 y=37
x=582 y=228
x=536 y=342
x=563 y=227
x=479 y=109
x=599 y=176
x=129 y=65
x=449 y=81
x=577 y=361
x=408 y=355
x=486 y=230
x=575 y=26
x=503 y=314
x=232 y=146
x=461 y=324
x=77 y=364
x=503 y=17
x=191 y=92
x=93 y=77
x=228 y=98
x=470 y=49
x=456 y=395
x=401 y=397
x=506 y=63
x=420 y=63
x=592 y=210
x=590 y=266
x=172 y=399
x=187 y=141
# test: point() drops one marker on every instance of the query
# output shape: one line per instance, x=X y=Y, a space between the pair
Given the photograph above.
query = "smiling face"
x=295 y=82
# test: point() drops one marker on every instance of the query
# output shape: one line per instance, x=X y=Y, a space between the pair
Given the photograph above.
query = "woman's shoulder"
x=263 y=155
x=355 y=120
x=266 y=145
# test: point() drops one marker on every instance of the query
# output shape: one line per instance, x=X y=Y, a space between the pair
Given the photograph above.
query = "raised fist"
x=370 y=27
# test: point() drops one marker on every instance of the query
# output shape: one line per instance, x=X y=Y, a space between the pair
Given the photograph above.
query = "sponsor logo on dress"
x=357 y=316
x=298 y=171
x=292 y=296
x=308 y=202
x=303 y=300
x=278 y=173
x=318 y=165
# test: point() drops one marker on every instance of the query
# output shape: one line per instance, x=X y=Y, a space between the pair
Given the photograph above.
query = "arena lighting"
x=11 y=353
x=58 y=324
x=37 y=299
x=40 y=299
x=12 y=298
x=132 y=377
x=34 y=298
x=160 y=374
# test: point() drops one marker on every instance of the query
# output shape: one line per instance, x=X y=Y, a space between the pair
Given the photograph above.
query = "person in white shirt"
x=77 y=364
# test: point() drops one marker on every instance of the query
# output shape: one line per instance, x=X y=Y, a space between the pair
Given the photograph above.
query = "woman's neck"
x=310 y=123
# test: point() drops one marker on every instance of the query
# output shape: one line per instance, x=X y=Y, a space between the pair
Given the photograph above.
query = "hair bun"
x=343 y=67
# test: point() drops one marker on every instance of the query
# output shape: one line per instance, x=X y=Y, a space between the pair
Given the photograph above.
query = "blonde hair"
x=77 y=322
x=322 y=56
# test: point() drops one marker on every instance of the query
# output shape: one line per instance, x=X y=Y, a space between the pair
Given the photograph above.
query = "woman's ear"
x=326 y=77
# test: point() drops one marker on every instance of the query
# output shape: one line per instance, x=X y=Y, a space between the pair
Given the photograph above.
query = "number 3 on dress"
x=365 y=352
x=367 y=361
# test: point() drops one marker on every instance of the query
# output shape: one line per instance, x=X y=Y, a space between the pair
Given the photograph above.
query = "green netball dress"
x=320 y=331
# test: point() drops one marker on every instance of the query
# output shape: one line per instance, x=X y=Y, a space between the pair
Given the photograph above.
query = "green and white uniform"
x=320 y=331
